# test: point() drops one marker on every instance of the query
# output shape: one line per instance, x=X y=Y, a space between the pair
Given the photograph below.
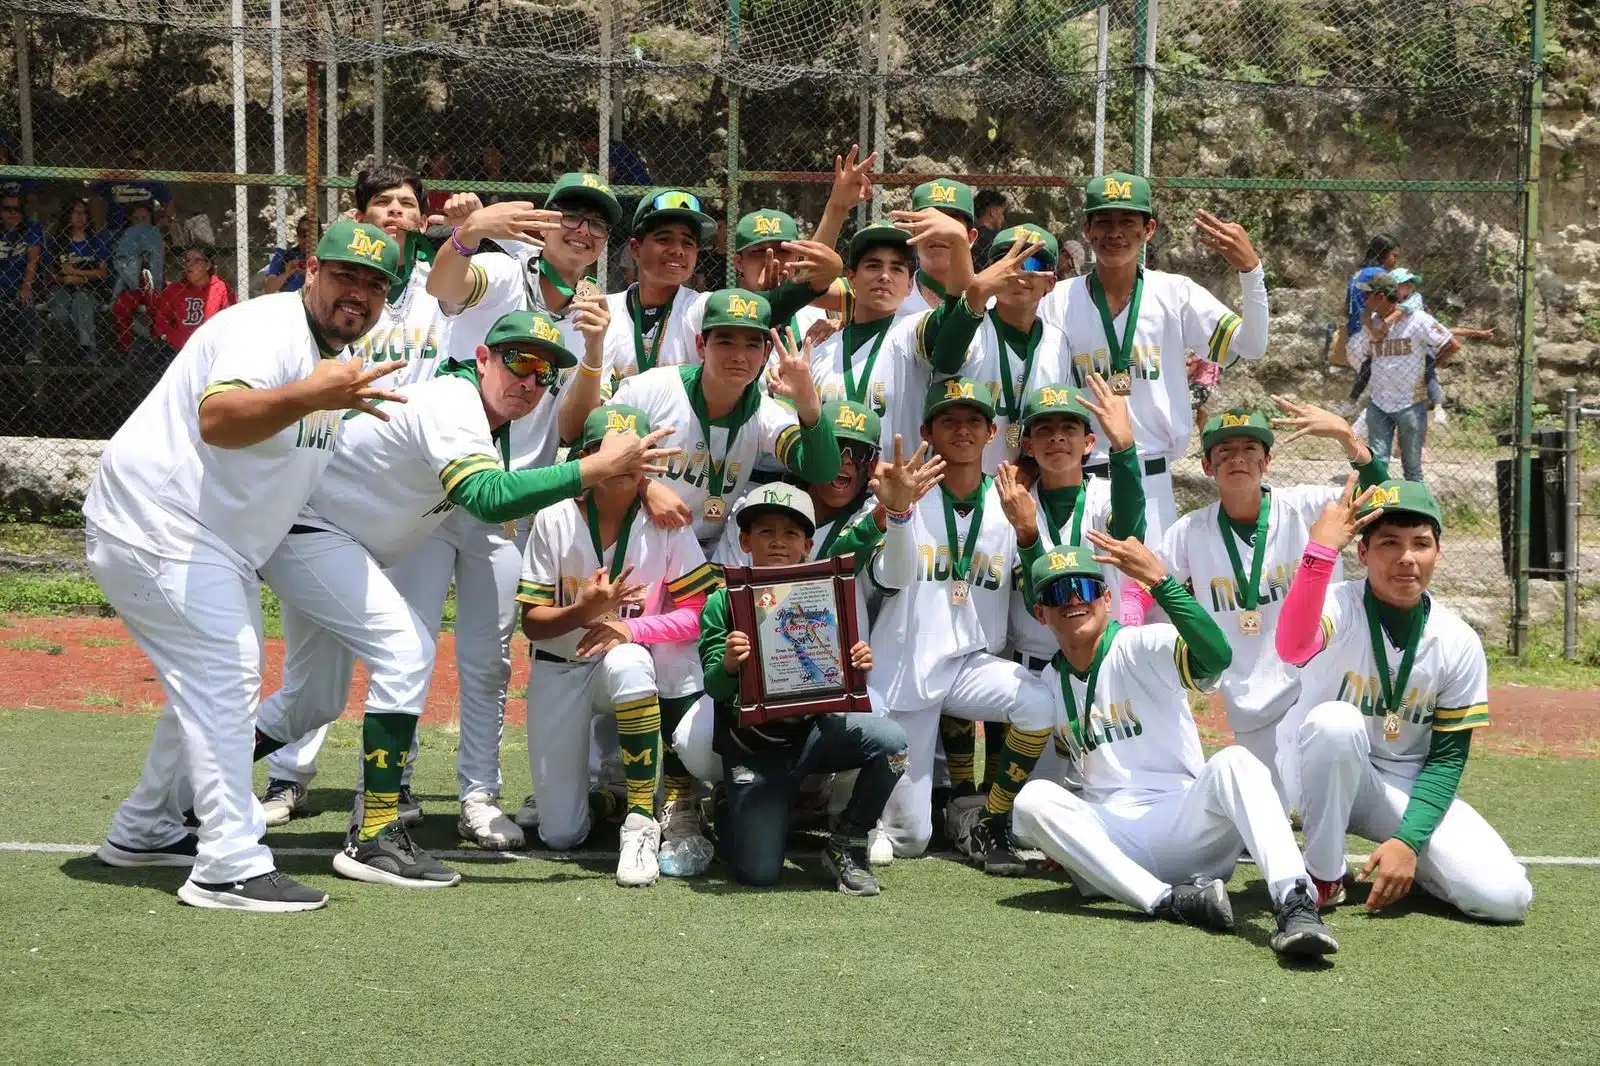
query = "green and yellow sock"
x=678 y=783
x=960 y=747
x=385 y=749
x=1021 y=754
x=639 y=734
x=994 y=743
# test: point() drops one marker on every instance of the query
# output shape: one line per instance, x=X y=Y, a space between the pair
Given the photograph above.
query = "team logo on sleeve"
x=616 y=420
x=955 y=389
x=852 y=420
x=739 y=307
x=767 y=226
x=1118 y=190
x=940 y=193
x=366 y=247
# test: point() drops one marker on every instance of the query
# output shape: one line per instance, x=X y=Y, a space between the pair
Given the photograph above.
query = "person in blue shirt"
x=286 y=272
x=130 y=213
x=80 y=263
x=1383 y=254
x=25 y=190
x=21 y=246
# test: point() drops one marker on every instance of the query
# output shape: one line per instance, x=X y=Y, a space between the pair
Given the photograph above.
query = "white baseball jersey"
x=388 y=487
x=1259 y=687
x=1138 y=740
x=412 y=328
x=678 y=347
x=772 y=430
x=1176 y=314
x=1448 y=689
x=895 y=384
x=163 y=489
x=1400 y=360
x=1093 y=512
x=560 y=558
x=920 y=637
x=916 y=303
x=987 y=359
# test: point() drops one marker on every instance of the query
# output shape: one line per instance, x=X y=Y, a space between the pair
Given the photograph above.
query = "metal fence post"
x=1569 y=611
x=241 y=200
x=19 y=38
x=377 y=85
x=864 y=126
x=603 y=117
x=1101 y=50
x=280 y=194
x=1147 y=17
x=731 y=208
x=313 y=106
x=1527 y=370
x=880 y=103
x=331 y=70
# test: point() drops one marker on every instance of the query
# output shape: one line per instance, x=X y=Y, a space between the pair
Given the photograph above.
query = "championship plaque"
x=802 y=623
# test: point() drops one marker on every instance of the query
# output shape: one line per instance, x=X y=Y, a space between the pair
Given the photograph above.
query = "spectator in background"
x=990 y=207
x=1073 y=259
x=136 y=273
x=491 y=167
x=187 y=303
x=21 y=246
x=1383 y=253
x=627 y=166
x=286 y=271
x=711 y=273
x=112 y=202
x=25 y=190
x=81 y=263
x=437 y=171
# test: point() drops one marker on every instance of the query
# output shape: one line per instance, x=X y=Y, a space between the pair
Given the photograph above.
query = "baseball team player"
x=1239 y=555
x=938 y=275
x=1157 y=826
x=612 y=605
x=1392 y=685
x=411 y=328
x=1133 y=326
x=193 y=493
x=649 y=319
x=763 y=766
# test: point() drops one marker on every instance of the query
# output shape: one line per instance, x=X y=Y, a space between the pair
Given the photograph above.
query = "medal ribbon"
x=1393 y=694
x=1077 y=506
x=619 y=552
x=548 y=273
x=1009 y=389
x=840 y=524
x=932 y=286
x=855 y=389
x=1064 y=672
x=1249 y=594
x=960 y=565
x=647 y=360
x=749 y=403
x=1121 y=350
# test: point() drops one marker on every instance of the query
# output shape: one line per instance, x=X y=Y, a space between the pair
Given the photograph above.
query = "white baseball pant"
x=693 y=742
x=1135 y=852
x=1341 y=790
x=987 y=689
x=199 y=622
x=570 y=696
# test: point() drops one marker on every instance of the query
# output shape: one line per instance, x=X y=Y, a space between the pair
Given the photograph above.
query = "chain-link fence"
x=1316 y=123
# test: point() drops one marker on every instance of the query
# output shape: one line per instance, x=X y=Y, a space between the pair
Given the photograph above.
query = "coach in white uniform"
x=1134 y=326
x=193 y=494
x=1158 y=826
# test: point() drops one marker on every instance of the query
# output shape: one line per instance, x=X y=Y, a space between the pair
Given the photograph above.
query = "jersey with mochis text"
x=988 y=359
x=1258 y=687
x=163 y=489
x=1448 y=690
x=409 y=330
x=560 y=558
x=1176 y=314
x=920 y=636
x=898 y=381
x=773 y=430
x=1138 y=742
x=389 y=483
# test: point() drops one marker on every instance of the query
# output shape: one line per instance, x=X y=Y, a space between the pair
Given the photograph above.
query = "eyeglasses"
x=527 y=364
x=1060 y=592
x=596 y=226
x=668 y=201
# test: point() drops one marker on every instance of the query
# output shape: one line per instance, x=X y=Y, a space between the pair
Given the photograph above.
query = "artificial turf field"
x=545 y=960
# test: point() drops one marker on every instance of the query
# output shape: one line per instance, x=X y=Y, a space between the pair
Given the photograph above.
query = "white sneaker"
x=527 y=815
x=281 y=800
x=639 y=864
x=880 y=852
x=961 y=816
x=485 y=824
x=685 y=851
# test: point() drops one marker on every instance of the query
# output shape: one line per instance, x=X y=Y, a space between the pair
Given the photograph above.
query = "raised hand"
x=931 y=226
x=1309 y=420
x=664 y=507
x=791 y=378
x=1017 y=503
x=852 y=180
x=1112 y=412
x=1227 y=239
x=903 y=482
x=591 y=316
x=1339 y=523
x=336 y=386
x=456 y=209
x=621 y=452
x=514 y=220
x=1006 y=274
x=815 y=264
x=1132 y=556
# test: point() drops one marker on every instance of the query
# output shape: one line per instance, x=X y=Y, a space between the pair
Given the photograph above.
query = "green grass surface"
x=549 y=962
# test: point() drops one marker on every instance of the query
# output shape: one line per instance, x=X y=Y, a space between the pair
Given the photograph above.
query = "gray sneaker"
x=1202 y=902
x=846 y=860
x=179 y=853
x=268 y=893
x=1300 y=931
x=392 y=858
x=410 y=809
x=281 y=800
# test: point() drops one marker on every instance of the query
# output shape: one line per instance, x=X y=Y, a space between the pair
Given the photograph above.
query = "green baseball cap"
x=1065 y=560
x=361 y=244
x=1029 y=236
x=880 y=236
x=1054 y=400
x=1236 y=423
x=615 y=416
x=777 y=496
x=586 y=189
x=1402 y=276
x=853 y=421
x=764 y=227
x=740 y=308
x=1405 y=497
x=531 y=331
x=662 y=206
x=1117 y=192
x=1382 y=284
x=947 y=194
x=956 y=392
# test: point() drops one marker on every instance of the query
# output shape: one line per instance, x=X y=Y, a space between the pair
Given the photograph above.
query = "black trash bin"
x=1547 y=512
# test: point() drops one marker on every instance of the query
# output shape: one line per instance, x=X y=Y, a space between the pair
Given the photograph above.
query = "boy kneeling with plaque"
x=800 y=641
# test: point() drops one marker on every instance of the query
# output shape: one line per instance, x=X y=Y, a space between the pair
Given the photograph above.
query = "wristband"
x=462 y=250
x=589 y=371
x=963 y=305
x=900 y=518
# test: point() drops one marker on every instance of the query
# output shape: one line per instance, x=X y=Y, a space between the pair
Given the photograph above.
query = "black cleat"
x=392 y=858
x=846 y=860
x=1300 y=931
x=1202 y=902
x=268 y=893
x=993 y=850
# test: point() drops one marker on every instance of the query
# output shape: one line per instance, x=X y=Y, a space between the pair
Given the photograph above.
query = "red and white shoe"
x=1331 y=894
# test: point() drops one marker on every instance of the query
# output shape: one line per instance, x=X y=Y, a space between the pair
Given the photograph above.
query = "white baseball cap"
x=777 y=496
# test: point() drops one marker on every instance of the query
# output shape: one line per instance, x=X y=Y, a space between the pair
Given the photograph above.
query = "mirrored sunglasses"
x=1060 y=592
x=528 y=364
x=674 y=200
x=1037 y=265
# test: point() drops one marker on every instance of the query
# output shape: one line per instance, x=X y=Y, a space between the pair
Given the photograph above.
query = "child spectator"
x=185 y=304
x=81 y=263
x=287 y=270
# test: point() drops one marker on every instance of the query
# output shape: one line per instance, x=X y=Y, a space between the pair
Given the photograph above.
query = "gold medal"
x=511 y=530
x=585 y=289
x=1014 y=436
x=1250 y=623
x=716 y=509
x=1122 y=383
x=960 y=592
x=1391 y=726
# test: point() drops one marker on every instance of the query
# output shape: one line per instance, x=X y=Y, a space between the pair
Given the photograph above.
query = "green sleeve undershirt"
x=1027 y=557
x=956 y=329
x=1209 y=651
x=501 y=495
x=815 y=456
x=715 y=623
x=1127 y=494
x=862 y=538
x=1435 y=787
x=1372 y=473
x=787 y=300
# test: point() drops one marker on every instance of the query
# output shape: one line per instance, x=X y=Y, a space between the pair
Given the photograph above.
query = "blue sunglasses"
x=1059 y=593
x=1037 y=265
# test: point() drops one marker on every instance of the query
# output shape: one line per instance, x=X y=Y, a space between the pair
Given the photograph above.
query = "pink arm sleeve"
x=679 y=624
x=1136 y=601
x=1300 y=624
